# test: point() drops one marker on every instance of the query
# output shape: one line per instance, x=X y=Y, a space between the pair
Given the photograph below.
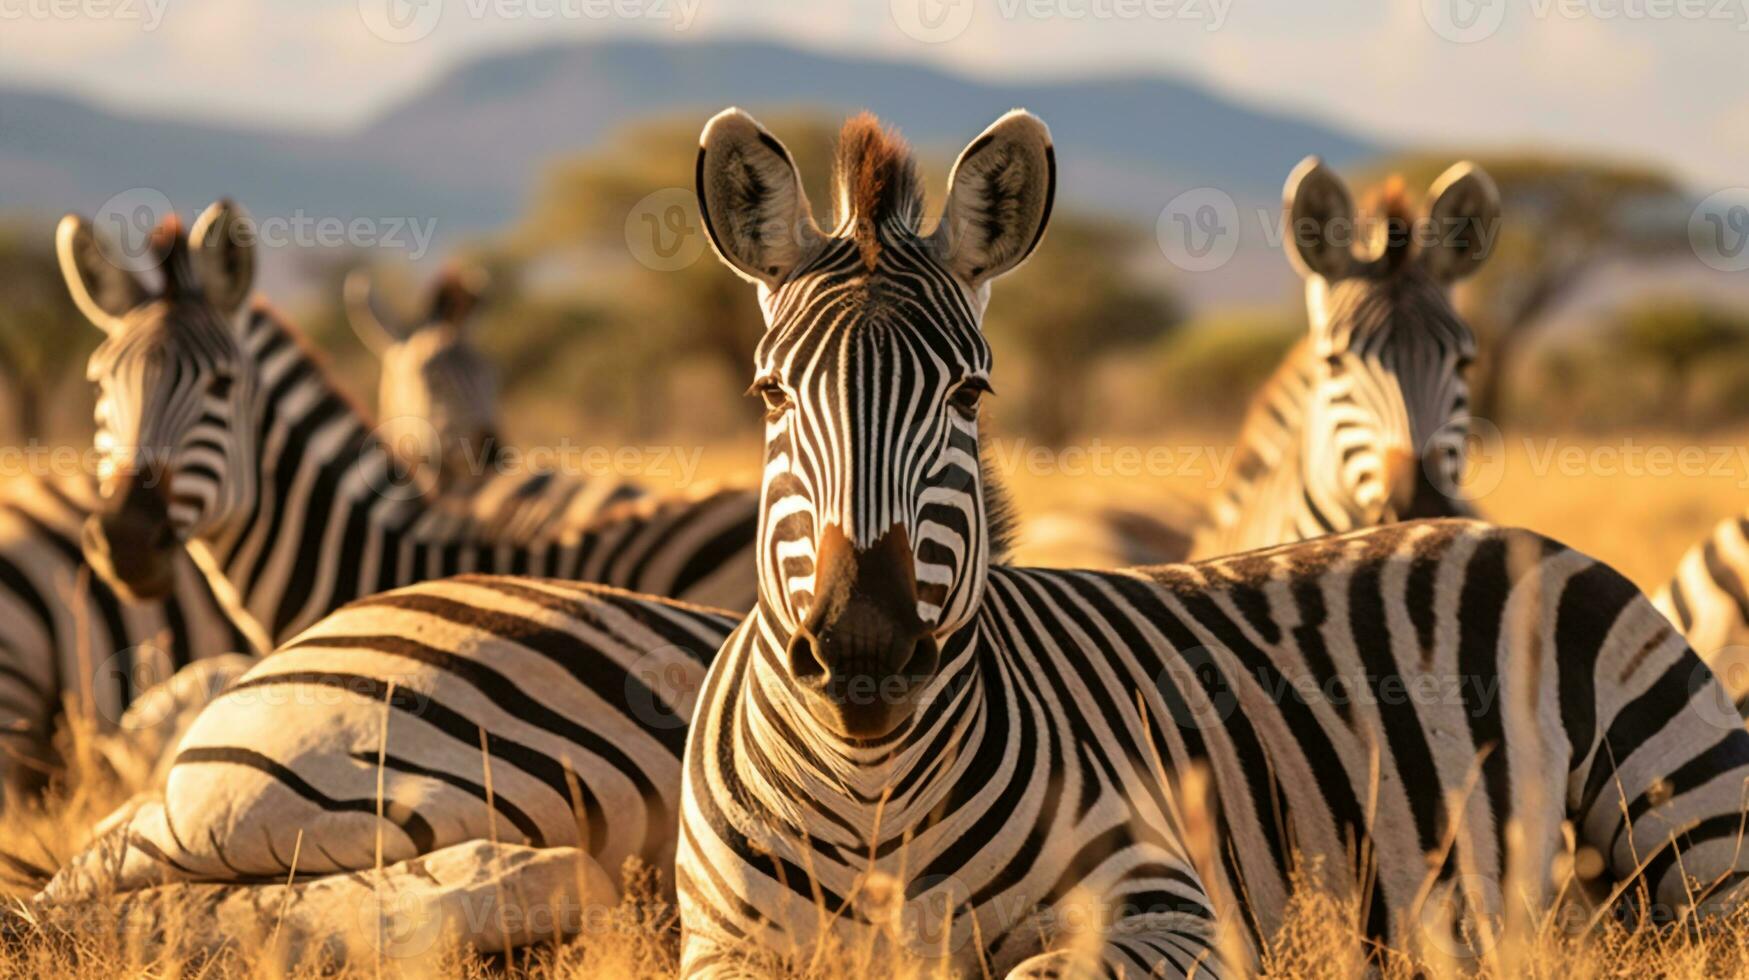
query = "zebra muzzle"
x=132 y=544
x=863 y=652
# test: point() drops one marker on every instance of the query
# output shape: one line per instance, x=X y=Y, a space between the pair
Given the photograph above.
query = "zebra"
x=66 y=635
x=1707 y=598
x=908 y=738
x=70 y=646
x=218 y=431
x=438 y=396
x=1365 y=420
x=522 y=711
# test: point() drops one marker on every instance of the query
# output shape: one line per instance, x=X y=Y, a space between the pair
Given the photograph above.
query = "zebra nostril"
x=804 y=656
x=925 y=657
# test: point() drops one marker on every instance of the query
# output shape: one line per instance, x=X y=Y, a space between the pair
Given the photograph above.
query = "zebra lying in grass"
x=70 y=647
x=910 y=741
x=67 y=634
x=900 y=724
x=1364 y=421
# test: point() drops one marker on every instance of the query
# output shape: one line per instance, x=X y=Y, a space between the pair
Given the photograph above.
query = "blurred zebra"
x=1708 y=600
x=906 y=741
x=1365 y=420
x=68 y=642
x=66 y=637
x=219 y=431
x=438 y=396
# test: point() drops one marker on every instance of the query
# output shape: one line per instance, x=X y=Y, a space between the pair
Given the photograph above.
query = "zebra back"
x=518 y=710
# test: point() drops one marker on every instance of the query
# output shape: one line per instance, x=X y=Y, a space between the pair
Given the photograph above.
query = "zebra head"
x=172 y=382
x=1388 y=412
x=875 y=533
x=437 y=396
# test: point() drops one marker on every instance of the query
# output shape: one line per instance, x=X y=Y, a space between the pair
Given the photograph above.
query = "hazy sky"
x=1664 y=79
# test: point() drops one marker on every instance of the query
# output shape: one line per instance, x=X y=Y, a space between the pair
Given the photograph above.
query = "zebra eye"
x=1464 y=361
x=966 y=397
x=219 y=386
x=775 y=398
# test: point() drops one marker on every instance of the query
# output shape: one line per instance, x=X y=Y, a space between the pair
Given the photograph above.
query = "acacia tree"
x=1563 y=219
x=584 y=205
x=1077 y=301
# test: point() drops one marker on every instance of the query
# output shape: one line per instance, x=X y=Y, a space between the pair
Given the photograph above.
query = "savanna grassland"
x=1636 y=501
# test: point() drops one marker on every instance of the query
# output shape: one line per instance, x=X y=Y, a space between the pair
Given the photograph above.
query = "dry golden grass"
x=1632 y=515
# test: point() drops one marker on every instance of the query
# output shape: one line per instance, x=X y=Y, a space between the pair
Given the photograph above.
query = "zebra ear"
x=375 y=333
x=1463 y=220
x=750 y=195
x=456 y=294
x=102 y=290
x=1319 y=223
x=999 y=199
x=222 y=247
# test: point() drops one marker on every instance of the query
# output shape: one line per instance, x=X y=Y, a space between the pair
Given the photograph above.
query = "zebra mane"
x=1390 y=204
x=169 y=244
x=1001 y=521
x=263 y=317
x=874 y=181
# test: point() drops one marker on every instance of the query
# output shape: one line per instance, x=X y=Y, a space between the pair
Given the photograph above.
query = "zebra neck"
x=1277 y=489
x=329 y=495
x=881 y=790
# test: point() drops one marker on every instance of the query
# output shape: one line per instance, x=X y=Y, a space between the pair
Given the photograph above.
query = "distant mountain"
x=467 y=148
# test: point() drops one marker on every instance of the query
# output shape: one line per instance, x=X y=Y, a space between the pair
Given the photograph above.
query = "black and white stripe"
x=1419 y=707
x=1366 y=420
x=68 y=642
x=518 y=710
x=219 y=430
x=1708 y=600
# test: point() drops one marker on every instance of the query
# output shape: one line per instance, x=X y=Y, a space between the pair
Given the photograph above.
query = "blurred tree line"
x=673 y=343
x=602 y=332
x=44 y=341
